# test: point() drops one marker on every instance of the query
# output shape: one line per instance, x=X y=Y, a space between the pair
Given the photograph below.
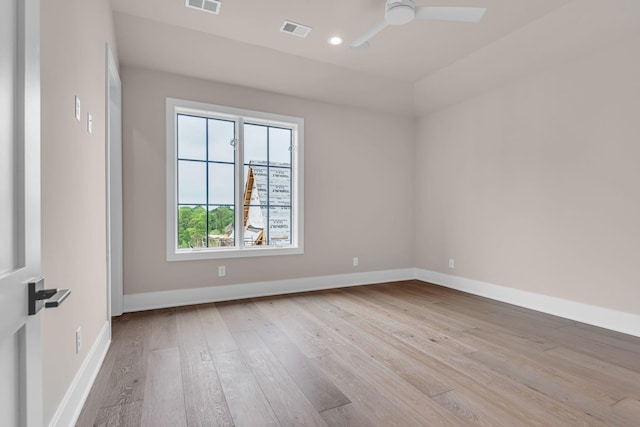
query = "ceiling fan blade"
x=370 y=33
x=458 y=14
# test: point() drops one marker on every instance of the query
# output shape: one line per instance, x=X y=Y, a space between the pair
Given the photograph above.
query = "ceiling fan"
x=400 y=12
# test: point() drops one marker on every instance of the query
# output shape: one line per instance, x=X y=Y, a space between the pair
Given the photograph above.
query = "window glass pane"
x=279 y=146
x=255 y=219
x=221 y=133
x=211 y=192
x=279 y=226
x=279 y=186
x=255 y=143
x=192 y=137
x=192 y=226
x=192 y=183
x=221 y=184
x=221 y=230
x=256 y=176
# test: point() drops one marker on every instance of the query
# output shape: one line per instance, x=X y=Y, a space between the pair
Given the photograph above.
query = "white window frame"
x=177 y=106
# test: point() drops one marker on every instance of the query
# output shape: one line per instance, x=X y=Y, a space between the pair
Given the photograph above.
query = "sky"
x=261 y=142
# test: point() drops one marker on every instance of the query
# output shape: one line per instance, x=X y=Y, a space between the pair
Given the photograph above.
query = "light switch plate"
x=78 y=114
x=89 y=123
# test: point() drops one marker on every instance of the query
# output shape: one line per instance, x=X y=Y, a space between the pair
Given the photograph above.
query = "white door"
x=20 y=334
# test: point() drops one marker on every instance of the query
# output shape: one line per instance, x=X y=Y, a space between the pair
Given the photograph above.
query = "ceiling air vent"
x=211 y=6
x=295 y=29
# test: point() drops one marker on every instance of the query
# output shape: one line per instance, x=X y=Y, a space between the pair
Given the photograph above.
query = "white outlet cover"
x=89 y=123
x=222 y=271
x=452 y=263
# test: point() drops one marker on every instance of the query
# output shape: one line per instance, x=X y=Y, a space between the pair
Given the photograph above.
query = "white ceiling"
x=243 y=45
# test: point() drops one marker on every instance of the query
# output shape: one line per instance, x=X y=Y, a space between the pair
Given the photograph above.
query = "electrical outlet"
x=452 y=263
x=78 y=339
x=89 y=123
x=222 y=271
x=77 y=108
x=355 y=261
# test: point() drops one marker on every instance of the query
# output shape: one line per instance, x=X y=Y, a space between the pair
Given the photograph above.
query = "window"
x=234 y=182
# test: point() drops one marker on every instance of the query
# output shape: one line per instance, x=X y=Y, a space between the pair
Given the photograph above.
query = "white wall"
x=358 y=187
x=534 y=184
x=73 y=37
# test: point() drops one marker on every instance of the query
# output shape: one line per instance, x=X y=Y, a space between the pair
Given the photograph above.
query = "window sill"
x=203 y=254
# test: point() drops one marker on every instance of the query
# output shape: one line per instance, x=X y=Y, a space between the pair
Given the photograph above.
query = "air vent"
x=295 y=29
x=211 y=6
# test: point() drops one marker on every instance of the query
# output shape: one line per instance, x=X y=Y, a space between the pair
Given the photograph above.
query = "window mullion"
x=206 y=226
x=239 y=183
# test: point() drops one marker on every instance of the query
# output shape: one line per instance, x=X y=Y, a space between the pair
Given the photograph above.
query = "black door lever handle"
x=58 y=297
x=38 y=295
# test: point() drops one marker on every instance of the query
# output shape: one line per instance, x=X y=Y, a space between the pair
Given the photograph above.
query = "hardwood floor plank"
x=506 y=392
x=426 y=379
x=205 y=403
x=551 y=383
x=215 y=330
x=619 y=379
x=321 y=392
x=482 y=338
x=414 y=403
x=598 y=350
x=163 y=329
x=288 y=402
x=163 y=403
x=395 y=354
x=129 y=414
x=347 y=416
x=306 y=335
x=624 y=343
x=363 y=392
x=126 y=381
x=478 y=411
x=248 y=405
x=241 y=316
x=394 y=320
x=628 y=410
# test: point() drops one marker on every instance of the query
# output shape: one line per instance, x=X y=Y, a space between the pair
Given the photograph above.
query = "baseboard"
x=597 y=316
x=175 y=298
x=71 y=405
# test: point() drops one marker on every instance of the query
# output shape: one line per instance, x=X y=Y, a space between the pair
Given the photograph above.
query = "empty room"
x=325 y=213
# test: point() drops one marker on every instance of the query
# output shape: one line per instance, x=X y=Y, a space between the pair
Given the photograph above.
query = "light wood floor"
x=401 y=354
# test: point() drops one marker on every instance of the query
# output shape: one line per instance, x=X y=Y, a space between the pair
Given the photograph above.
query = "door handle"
x=40 y=297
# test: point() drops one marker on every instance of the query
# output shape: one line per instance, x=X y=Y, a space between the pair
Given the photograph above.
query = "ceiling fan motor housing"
x=400 y=12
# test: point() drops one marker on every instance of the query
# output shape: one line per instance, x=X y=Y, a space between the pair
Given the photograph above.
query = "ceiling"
x=243 y=45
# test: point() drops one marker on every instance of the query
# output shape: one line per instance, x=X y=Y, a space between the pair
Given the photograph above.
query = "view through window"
x=221 y=207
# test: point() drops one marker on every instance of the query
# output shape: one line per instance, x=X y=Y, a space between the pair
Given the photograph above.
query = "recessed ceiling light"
x=335 y=41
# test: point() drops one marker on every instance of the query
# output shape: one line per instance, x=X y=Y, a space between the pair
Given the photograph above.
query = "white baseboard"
x=620 y=321
x=71 y=405
x=598 y=316
x=175 y=298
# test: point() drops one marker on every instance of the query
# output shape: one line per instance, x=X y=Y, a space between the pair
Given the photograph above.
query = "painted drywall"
x=568 y=32
x=73 y=37
x=534 y=185
x=357 y=177
x=147 y=43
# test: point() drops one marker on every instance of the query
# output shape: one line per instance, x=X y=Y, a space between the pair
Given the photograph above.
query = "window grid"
x=207 y=162
x=268 y=166
x=185 y=227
